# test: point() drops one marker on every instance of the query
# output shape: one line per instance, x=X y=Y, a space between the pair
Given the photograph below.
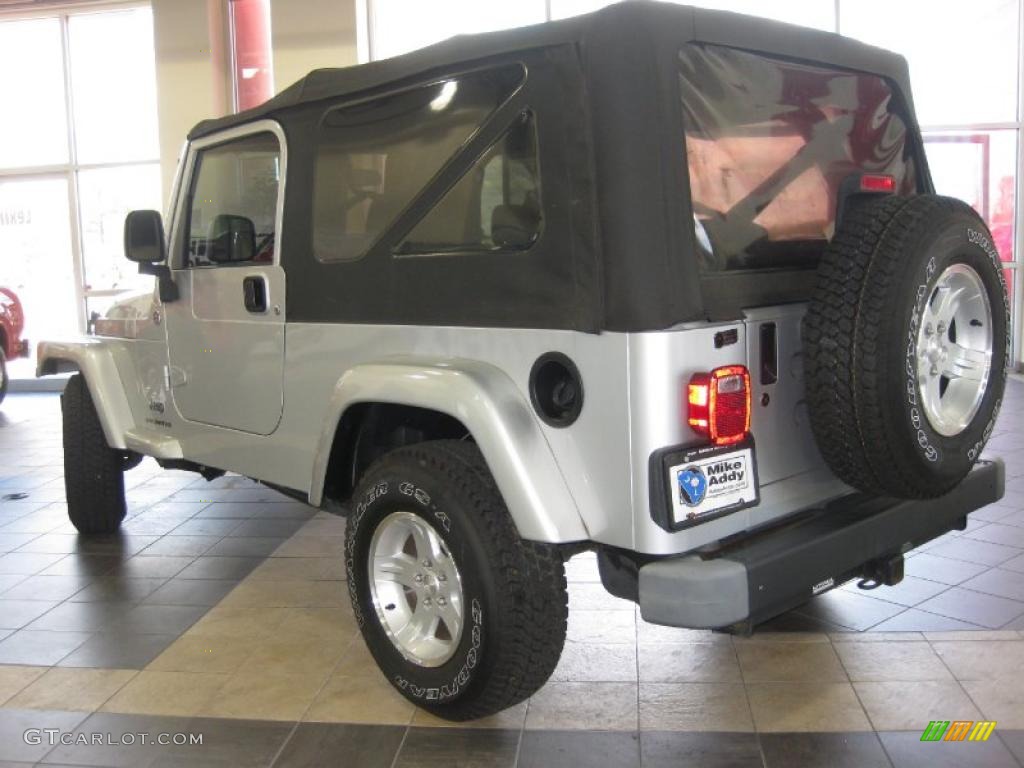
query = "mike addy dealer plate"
x=712 y=480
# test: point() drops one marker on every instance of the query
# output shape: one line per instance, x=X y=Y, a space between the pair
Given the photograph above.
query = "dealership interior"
x=221 y=609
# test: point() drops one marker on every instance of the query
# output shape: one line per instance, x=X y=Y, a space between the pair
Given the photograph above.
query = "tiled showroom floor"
x=221 y=610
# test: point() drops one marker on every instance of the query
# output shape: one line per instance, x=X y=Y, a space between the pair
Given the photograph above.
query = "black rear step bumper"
x=762 y=575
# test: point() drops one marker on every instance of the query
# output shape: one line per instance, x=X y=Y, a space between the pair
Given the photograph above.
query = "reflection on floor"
x=222 y=610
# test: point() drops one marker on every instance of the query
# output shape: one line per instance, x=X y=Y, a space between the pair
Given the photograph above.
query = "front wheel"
x=93 y=471
x=463 y=616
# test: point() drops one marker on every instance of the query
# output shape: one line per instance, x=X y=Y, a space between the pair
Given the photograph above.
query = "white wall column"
x=310 y=34
x=192 y=71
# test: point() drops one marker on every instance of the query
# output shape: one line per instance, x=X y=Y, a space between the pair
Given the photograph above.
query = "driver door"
x=225 y=334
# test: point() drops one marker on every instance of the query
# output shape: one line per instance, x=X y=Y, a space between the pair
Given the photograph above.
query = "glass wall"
x=35 y=252
x=967 y=104
x=965 y=65
x=38 y=133
x=78 y=150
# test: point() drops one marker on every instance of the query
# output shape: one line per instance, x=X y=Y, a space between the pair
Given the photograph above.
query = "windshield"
x=768 y=143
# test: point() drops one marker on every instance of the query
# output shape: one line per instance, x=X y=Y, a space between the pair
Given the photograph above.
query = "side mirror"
x=144 y=237
x=144 y=244
x=232 y=239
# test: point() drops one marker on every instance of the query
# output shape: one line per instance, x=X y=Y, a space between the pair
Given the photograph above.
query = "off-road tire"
x=93 y=471
x=858 y=339
x=3 y=374
x=514 y=590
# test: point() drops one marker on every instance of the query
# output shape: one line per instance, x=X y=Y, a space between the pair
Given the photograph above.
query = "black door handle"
x=254 y=288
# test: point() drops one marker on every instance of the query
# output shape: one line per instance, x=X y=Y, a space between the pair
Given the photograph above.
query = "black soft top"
x=618 y=251
x=620 y=29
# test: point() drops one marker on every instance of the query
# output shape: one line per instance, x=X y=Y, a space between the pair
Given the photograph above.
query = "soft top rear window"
x=768 y=143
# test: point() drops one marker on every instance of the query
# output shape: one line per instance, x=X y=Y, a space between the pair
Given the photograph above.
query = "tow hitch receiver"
x=882 y=572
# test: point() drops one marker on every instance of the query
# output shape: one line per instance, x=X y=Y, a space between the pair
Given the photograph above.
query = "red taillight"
x=718 y=404
x=877 y=183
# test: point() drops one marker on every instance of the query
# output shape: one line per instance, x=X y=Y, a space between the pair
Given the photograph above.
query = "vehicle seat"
x=516 y=226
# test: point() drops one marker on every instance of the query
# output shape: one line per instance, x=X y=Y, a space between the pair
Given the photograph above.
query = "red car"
x=12 y=323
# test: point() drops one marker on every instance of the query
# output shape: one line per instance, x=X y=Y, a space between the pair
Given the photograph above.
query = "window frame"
x=182 y=214
x=451 y=170
x=553 y=285
x=468 y=250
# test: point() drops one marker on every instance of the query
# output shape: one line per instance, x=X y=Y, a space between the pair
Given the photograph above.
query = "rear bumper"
x=762 y=575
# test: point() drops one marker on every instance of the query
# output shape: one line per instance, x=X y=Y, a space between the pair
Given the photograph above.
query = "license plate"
x=709 y=481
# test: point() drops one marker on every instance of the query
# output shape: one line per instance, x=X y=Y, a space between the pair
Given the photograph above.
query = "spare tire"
x=906 y=345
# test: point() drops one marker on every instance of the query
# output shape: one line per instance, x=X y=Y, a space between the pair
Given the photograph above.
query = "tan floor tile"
x=80 y=690
x=15 y=678
x=286 y=593
x=972 y=635
x=602 y=627
x=781 y=637
x=332 y=525
x=765 y=662
x=356 y=660
x=508 y=719
x=885 y=662
x=166 y=693
x=288 y=656
x=655 y=633
x=596 y=662
x=265 y=695
x=903 y=706
x=365 y=699
x=999 y=700
x=305 y=568
x=248 y=594
x=799 y=707
x=586 y=596
x=229 y=623
x=694 y=707
x=689 y=663
x=204 y=653
x=876 y=637
x=334 y=624
x=984 y=660
x=584 y=706
x=583 y=568
x=312 y=546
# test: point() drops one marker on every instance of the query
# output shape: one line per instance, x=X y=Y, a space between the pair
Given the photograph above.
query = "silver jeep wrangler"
x=664 y=283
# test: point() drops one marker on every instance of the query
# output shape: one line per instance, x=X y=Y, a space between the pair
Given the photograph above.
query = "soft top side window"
x=375 y=157
x=495 y=206
x=233 y=195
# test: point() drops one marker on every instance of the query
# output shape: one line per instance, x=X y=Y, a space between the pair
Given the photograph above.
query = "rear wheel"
x=906 y=343
x=463 y=616
x=93 y=471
